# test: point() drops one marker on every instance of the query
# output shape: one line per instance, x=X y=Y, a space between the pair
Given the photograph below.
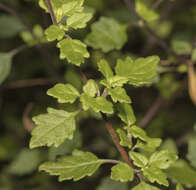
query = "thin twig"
x=121 y=150
x=47 y=57
x=156 y=4
x=31 y=83
x=51 y=11
x=28 y=124
x=19 y=49
x=160 y=41
x=152 y=112
x=17 y=15
x=110 y=161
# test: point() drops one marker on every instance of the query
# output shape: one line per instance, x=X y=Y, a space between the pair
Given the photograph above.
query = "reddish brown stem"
x=117 y=143
x=121 y=150
x=152 y=112
x=51 y=11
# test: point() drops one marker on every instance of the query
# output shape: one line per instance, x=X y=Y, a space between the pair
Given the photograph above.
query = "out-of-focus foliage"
x=26 y=75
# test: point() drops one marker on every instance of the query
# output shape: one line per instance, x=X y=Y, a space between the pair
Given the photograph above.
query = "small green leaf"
x=5 y=65
x=150 y=145
x=79 y=20
x=90 y=88
x=72 y=6
x=179 y=187
x=73 y=50
x=162 y=159
x=65 y=93
x=105 y=37
x=52 y=128
x=143 y=10
x=126 y=114
x=155 y=175
x=139 y=159
x=54 y=33
x=117 y=81
x=139 y=72
x=124 y=139
x=138 y=132
x=122 y=172
x=145 y=186
x=119 y=94
x=105 y=69
x=63 y=8
x=74 y=167
x=181 y=172
x=97 y=104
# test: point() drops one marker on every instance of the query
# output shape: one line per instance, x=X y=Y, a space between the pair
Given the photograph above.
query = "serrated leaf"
x=54 y=33
x=5 y=65
x=119 y=94
x=124 y=139
x=25 y=162
x=90 y=88
x=97 y=104
x=105 y=68
x=122 y=172
x=73 y=50
x=72 y=6
x=138 y=132
x=191 y=150
x=150 y=145
x=10 y=26
x=104 y=36
x=63 y=7
x=145 y=186
x=179 y=187
x=66 y=147
x=117 y=81
x=79 y=20
x=145 y=143
x=52 y=128
x=126 y=114
x=139 y=72
x=139 y=159
x=65 y=93
x=154 y=174
x=162 y=159
x=181 y=172
x=143 y=10
x=73 y=167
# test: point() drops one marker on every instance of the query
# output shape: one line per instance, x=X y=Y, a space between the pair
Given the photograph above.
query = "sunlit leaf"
x=65 y=93
x=73 y=167
x=122 y=172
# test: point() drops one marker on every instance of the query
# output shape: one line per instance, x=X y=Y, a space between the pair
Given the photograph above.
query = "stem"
x=154 y=109
x=51 y=11
x=18 y=49
x=116 y=142
x=31 y=83
x=110 y=161
x=156 y=4
x=160 y=41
